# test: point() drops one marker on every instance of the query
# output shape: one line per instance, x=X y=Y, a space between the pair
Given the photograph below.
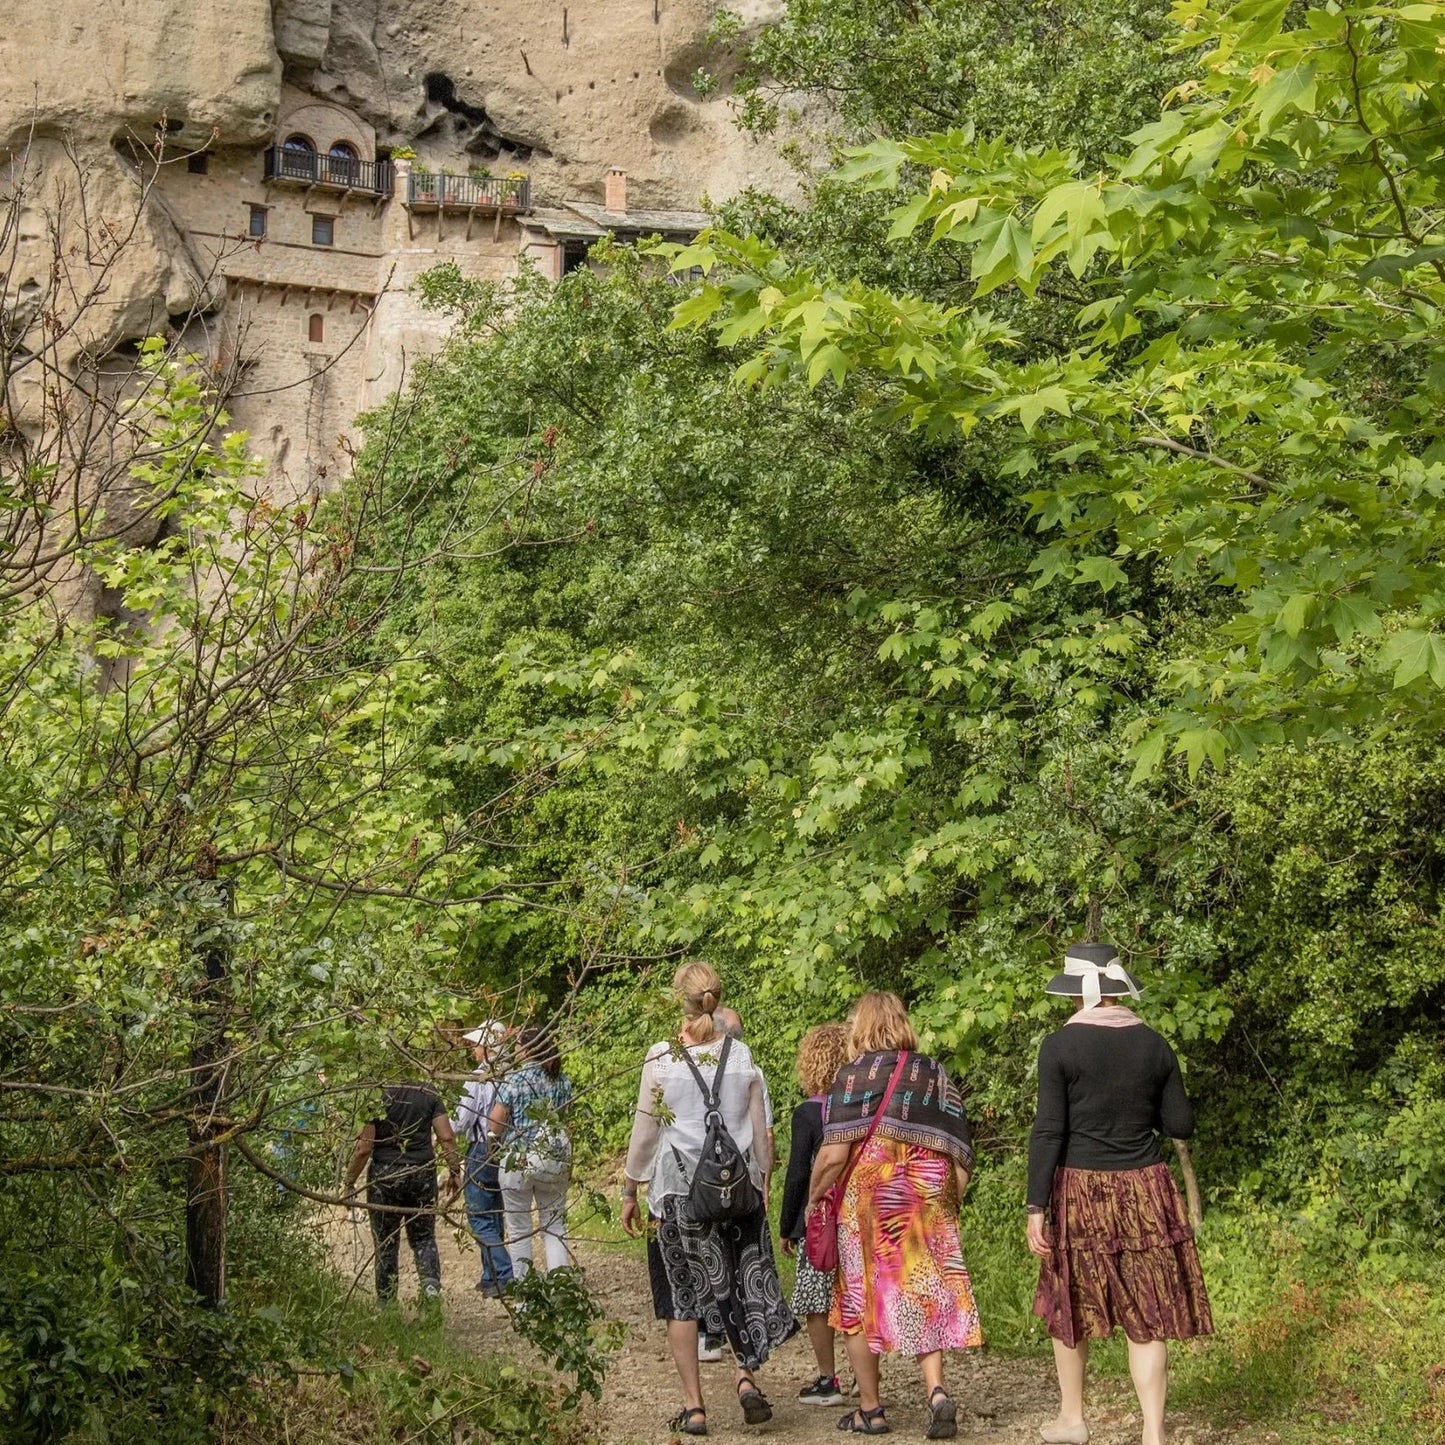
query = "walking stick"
x=1191 y=1186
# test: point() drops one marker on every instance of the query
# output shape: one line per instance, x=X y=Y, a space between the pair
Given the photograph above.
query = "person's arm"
x=962 y=1167
x=772 y=1161
x=1176 y=1113
x=641 y=1147
x=827 y=1169
x=762 y=1134
x=1046 y=1142
x=806 y=1134
x=446 y=1137
x=469 y=1110
x=365 y=1142
x=499 y=1119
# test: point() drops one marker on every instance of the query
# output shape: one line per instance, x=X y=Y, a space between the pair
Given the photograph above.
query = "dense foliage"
x=1037 y=533
x=887 y=638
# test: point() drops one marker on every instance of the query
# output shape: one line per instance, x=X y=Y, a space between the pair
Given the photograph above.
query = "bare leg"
x=932 y=1367
x=682 y=1341
x=820 y=1333
x=1071 y=1364
x=1149 y=1367
x=865 y=1369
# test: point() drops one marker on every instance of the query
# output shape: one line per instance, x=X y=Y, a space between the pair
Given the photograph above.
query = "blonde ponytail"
x=699 y=991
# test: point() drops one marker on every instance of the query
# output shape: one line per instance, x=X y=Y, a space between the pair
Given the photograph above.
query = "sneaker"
x=823 y=1391
x=709 y=1349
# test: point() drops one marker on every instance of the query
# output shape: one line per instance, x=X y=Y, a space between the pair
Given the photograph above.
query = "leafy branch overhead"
x=1248 y=396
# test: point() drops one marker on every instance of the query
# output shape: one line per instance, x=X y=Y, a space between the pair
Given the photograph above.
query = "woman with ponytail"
x=718 y=1276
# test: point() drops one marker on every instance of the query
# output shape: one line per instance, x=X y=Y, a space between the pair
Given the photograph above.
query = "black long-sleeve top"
x=807 y=1136
x=1105 y=1096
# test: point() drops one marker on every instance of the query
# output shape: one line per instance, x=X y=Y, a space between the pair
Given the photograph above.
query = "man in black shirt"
x=403 y=1176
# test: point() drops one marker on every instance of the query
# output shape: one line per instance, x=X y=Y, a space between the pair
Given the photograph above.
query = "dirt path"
x=1001 y=1401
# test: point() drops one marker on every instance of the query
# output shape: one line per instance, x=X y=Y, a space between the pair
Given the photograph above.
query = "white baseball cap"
x=488 y=1033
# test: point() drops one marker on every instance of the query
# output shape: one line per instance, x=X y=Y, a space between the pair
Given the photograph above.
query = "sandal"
x=865 y=1422
x=692 y=1421
x=942 y=1415
x=756 y=1409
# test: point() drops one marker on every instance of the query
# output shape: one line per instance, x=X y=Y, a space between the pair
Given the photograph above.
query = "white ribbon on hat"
x=1091 y=973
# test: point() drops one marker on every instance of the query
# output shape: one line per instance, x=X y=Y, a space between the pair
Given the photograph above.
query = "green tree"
x=1247 y=406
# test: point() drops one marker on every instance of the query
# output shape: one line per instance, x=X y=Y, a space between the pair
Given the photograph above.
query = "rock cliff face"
x=133 y=195
x=563 y=90
x=566 y=90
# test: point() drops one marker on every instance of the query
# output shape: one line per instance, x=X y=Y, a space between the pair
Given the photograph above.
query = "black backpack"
x=722 y=1186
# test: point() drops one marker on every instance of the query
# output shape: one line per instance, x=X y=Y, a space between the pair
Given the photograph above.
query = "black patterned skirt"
x=721 y=1275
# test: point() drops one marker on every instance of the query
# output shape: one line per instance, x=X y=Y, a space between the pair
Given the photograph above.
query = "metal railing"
x=483 y=193
x=341 y=172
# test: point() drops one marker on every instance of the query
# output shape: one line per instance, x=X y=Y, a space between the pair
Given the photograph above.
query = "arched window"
x=298 y=158
x=316 y=328
x=343 y=164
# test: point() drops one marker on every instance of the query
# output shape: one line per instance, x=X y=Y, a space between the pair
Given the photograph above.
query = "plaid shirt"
x=535 y=1102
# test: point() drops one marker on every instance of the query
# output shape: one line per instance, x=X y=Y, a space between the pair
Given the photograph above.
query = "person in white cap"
x=481 y=1187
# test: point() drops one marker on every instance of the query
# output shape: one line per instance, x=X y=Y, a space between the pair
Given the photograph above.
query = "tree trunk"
x=206 y=1185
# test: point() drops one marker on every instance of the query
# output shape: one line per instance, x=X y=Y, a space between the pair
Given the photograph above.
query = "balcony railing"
x=339 y=172
x=428 y=191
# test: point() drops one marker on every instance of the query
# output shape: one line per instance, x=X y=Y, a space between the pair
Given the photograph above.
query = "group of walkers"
x=880 y=1158
x=516 y=1168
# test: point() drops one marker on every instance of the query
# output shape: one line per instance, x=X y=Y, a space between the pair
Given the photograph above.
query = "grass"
x=1310 y=1345
x=366 y=1374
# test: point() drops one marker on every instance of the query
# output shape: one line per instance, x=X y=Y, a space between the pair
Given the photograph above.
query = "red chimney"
x=616 y=192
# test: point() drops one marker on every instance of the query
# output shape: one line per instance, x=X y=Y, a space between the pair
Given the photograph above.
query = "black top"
x=1105 y=1095
x=807 y=1136
x=404 y=1132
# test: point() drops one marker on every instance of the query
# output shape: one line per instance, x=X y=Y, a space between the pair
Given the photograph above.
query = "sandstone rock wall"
x=132 y=143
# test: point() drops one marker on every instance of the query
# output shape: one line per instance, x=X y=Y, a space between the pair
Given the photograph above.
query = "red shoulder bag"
x=820 y=1243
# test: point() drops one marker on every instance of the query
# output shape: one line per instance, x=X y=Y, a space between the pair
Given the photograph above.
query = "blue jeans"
x=484 y=1214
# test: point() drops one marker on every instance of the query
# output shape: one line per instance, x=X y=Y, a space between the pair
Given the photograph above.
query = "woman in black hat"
x=1105 y=1216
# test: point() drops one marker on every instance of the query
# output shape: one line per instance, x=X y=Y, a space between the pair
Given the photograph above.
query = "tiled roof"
x=586 y=219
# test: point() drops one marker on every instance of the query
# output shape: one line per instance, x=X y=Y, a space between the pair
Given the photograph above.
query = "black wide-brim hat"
x=1100 y=956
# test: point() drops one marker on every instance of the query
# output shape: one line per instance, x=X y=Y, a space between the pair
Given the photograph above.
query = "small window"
x=197 y=163
x=574 y=256
x=316 y=328
x=323 y=230
x=256 y=227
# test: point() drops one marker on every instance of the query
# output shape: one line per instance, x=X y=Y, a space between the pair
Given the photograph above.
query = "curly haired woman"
x=823 y=1051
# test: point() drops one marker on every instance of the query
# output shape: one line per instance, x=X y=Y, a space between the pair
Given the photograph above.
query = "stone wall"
x=91 y=95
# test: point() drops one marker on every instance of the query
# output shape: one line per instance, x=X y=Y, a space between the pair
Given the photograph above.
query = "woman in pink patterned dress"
x=902 y=1283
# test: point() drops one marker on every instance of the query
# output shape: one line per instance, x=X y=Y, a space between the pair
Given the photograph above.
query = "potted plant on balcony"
x=451 y=185
x=513 y=188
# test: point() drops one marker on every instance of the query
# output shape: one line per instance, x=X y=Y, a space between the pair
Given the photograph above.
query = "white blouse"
x=671 y=1116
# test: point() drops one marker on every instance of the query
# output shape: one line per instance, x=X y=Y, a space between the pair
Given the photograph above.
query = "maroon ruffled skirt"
x=1123 y=1257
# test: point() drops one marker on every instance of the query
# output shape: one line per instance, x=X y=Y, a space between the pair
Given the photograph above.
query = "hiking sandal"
x=692 y=1421
x=756 y=1410
x=865 y=1422
x=942 y=1415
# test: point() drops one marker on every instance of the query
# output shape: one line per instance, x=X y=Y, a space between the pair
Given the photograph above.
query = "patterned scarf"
x=926 y=1108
